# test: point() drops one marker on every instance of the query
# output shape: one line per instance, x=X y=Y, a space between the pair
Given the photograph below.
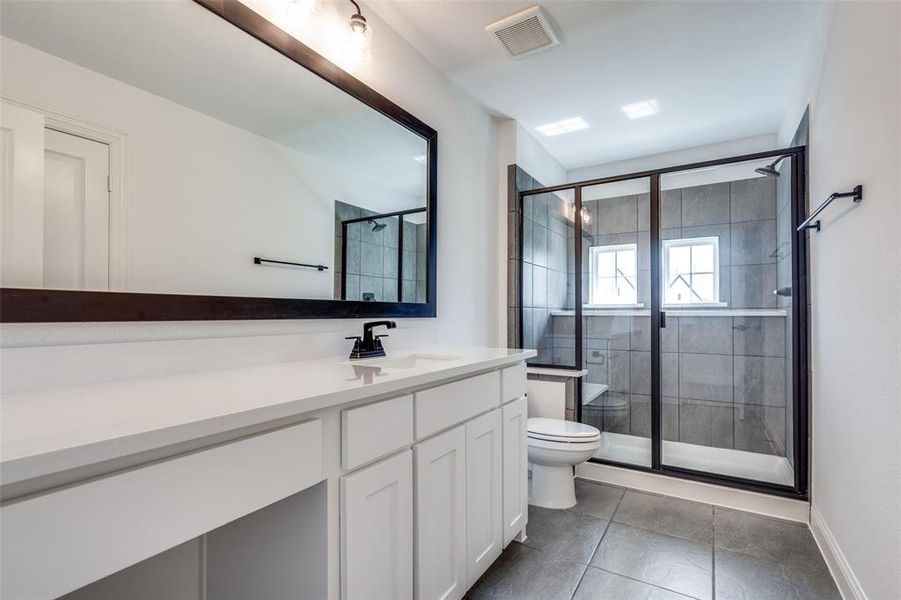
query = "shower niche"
x=684 y=299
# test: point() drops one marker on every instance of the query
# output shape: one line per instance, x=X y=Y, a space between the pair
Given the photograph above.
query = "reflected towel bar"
x=258 y=261
x=856 y=194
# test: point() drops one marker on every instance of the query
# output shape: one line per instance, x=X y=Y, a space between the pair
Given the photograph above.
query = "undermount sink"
x=411 y=361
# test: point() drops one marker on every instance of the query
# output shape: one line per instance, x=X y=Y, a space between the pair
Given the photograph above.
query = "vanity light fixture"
x=564 y=126
x=356 y=50
x=645 y=108
x=301 y=11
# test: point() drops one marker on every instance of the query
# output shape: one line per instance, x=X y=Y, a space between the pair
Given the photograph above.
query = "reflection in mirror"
x=380 y=257
x=164 y=150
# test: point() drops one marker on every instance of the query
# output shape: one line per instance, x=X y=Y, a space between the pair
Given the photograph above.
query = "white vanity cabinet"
x=78 y=534
x=403 y=487
x=469 y=487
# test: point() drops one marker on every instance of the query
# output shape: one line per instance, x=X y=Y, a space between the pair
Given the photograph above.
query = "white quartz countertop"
x=51 y=431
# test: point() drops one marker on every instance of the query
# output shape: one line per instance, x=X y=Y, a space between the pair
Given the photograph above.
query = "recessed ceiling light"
x=645 y=108
x=564 y=126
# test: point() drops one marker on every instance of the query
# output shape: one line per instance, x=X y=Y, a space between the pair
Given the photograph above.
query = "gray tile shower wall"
x=726 y=380
x=547 y=264
x=372 y=257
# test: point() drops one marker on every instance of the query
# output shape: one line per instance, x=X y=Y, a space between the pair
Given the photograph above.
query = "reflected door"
x=55 y=205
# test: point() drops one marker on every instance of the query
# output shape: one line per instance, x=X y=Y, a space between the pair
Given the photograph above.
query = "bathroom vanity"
x=395 y=477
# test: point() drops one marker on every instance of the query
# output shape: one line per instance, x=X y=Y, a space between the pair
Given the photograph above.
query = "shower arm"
x=856 y=194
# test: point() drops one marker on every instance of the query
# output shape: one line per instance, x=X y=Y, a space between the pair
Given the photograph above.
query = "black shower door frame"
x=799 y=307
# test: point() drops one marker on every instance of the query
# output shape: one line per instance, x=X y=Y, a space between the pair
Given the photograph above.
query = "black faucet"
x=369 y=345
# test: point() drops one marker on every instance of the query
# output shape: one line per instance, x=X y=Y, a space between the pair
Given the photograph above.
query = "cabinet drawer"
x=375 y=430
x=447 y=405
x=513 y=383
x=68 y=538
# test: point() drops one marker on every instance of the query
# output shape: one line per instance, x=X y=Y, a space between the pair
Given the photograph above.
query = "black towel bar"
x=258 y=261
x=856 y=194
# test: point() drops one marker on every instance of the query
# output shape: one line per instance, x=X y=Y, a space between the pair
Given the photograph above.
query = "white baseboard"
x=763 y=504
x=845 y=579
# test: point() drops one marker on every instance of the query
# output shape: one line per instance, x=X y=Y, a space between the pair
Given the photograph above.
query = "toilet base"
x=552 y=486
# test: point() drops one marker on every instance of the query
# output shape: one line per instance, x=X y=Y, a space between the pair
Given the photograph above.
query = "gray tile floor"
x=619 y=544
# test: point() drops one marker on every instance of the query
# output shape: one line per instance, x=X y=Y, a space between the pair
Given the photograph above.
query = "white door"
x=21 y=196
x=484 y=523
x=76 y=212
x=377 y=531
x=516 y=476
x=441 y=516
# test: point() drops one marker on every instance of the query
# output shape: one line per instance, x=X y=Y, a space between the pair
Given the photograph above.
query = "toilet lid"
x=558 y=429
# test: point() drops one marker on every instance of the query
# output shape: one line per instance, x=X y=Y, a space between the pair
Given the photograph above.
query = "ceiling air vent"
x=525 y=32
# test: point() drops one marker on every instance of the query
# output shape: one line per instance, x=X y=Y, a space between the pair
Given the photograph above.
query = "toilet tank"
x=547 y=399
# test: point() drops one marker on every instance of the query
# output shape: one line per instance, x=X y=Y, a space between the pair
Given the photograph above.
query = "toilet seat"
x=555 y=447
x=558 y=430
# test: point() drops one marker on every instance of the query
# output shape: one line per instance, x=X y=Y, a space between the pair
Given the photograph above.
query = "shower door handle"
x=662 y=319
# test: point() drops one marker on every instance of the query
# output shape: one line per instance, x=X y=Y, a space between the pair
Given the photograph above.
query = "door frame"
x=799 y=312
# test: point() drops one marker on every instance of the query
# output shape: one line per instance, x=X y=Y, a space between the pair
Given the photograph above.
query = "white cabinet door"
x=441 y=516
x=484 y=523
x=516 y=492
x=377 y=531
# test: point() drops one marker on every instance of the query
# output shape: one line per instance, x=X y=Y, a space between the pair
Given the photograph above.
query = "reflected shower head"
x=770 y=169
x=377 y=226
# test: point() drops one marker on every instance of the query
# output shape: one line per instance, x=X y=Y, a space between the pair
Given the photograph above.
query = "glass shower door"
x=726 y=290
x=616 y=318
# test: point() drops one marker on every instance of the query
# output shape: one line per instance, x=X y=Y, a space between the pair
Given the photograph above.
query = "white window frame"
x=593 y=253
x=665 y=272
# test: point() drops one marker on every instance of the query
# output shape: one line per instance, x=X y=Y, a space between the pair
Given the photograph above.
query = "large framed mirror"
x=189 y=160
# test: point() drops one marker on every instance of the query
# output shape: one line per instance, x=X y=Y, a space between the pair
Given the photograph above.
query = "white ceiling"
x=718 y=70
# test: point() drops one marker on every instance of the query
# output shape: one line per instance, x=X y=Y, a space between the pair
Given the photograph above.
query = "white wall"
x=760 y=143
x=467 y=224
x=855 y=275
x=535 y=160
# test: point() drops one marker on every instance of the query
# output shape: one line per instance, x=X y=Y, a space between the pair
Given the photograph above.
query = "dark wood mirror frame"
x=47 y=306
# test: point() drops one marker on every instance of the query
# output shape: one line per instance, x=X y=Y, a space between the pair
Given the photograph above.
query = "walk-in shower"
x=682 y=293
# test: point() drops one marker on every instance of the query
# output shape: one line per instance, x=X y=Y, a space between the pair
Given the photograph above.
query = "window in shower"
x=614 y=275
x=691 y=271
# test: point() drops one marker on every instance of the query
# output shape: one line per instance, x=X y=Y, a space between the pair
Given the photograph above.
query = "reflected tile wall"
x=372 y=257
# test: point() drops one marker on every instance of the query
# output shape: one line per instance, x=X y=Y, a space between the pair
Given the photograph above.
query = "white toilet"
x=555 y=446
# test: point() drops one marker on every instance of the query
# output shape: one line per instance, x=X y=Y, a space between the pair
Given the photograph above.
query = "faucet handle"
x=353 y=337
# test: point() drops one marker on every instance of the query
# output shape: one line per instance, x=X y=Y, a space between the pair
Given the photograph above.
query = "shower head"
x=377 y=226
x=770 y=169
